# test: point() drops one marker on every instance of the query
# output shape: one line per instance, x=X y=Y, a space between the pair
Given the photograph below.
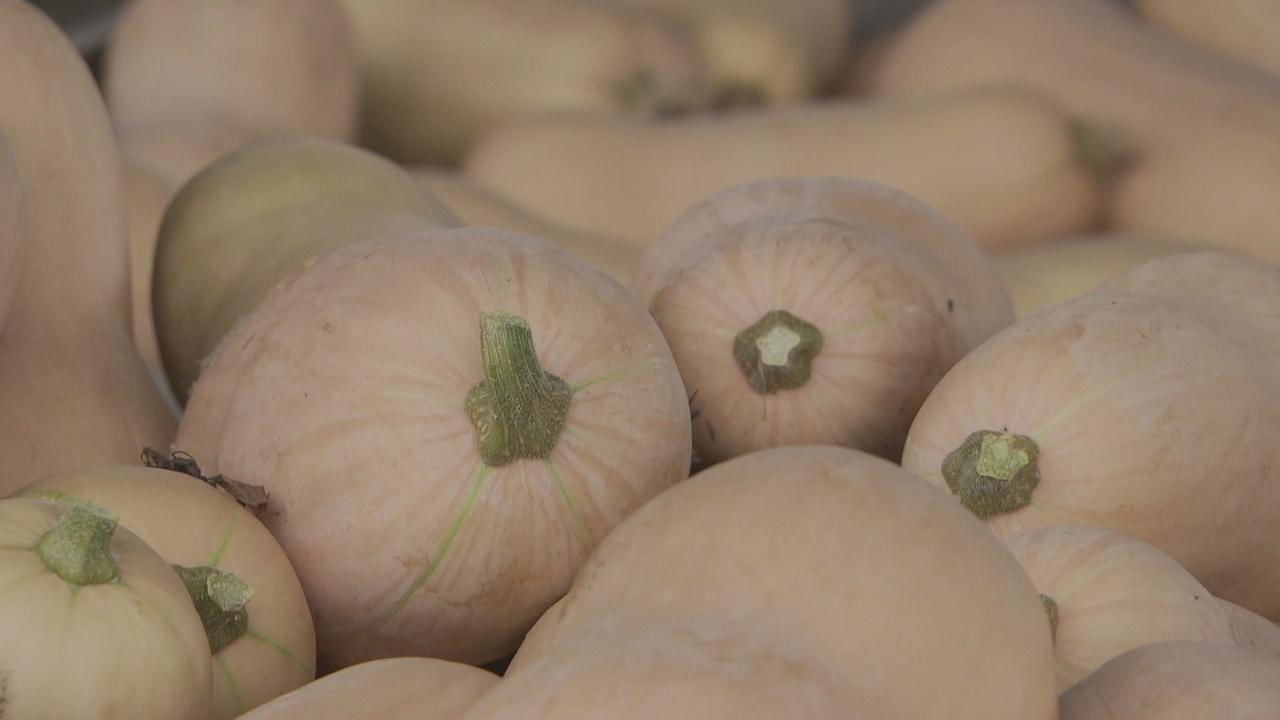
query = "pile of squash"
x=568 y=359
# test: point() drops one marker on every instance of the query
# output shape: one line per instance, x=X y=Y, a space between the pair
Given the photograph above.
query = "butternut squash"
x=1246 y=30
x=1148 y=406
x=407 y=688
x=74 y=390
x=1179 y=681
x=93 y=623
x=146 y=198
x=1108 y=593
x=1038 y=276
x=1201 y=129
x=1001 y=162
x=476 y=205
x=13 y=227
x=267 y=65
x=438 y=74
x=477 y=407
x=762 y=50
x=263 y=646
x=815 y=311
x=249 y=220
x=764 y=588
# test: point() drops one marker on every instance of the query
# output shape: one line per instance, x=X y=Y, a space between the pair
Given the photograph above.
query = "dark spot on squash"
x=4 y=693
x=951 y=305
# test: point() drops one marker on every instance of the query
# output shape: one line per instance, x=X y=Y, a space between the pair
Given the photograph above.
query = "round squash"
x=1149 y=407
x=191 y=524
x=1180 y=681
x=838 y=562
x=250 y=219
x=406 y=688
x=815 y=311
x=1245 y=30
x=447 y=422
x=1038 y=276
x=439 y=74
x=267 y=65
x=72 y=386
x=1002 y=162
x=1108 y=593
x=13 y=227
x=479 y=206
x=93 y=623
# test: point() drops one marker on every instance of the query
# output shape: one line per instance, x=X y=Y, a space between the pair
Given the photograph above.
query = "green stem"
x=78 y=547
x=777 y=352
x=220 y=599
x=993 y=472
x=518 y=410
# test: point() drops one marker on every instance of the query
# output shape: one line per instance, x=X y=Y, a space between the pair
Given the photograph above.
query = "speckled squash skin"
x=345 y=394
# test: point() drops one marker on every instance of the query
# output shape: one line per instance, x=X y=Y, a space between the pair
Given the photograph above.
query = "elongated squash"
x=476 y=205
x=251 y=219
x=1202 y=129
x=1148 y=407
x=1001 y=162
x=440 y=73
x=1247 y=30
x=74 y=390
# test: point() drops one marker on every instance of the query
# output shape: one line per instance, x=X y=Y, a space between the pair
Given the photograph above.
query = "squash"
x=260 y=650
x=13 y=227
x=1147 y=407
x=1245 y=30
x=71 y=383
x=762 y=50
x=267 y=65
x=145 y=201
x=93 y=623
x=808 y=556
x=438 y=74
x=1201 y=129
x=1251 y=629
x=254 y=217
x=476 y=205
x=475 y=408
x=406 y=688
x=815 y=310
x=1038 y=276
x=173 y=152
x=1001 y=162
x=1179 y=681
x=1108 y=593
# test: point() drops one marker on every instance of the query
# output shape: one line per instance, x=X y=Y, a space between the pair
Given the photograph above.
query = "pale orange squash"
x=13 y=227
x=357 y=394
x=1149 y=407
x=1251 y=629
x=1246 y=30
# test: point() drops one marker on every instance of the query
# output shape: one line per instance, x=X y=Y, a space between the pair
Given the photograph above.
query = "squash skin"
x=266 y=65
x=1179 y=681
x=254 y=217
x=131 y=648
x=1251 y=629
x=1000 y=161
x=1055 y=272
x=898 y=293
x=407 y=688
x=1201 y=128
x=1245 y=30
x=744 y=514
x=351 y=316
x=1113 y=593
x=479 y=206
x=1104 y=383
x=211 y=530
x=13 y=227
x=96 y=404
x=489 y=61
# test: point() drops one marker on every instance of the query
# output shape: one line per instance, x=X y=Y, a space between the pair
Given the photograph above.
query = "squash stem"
x=220 y=599
x=777 y=352
x=993 y=472
x=78 y=547
x=1051 y=609
x=518 y=410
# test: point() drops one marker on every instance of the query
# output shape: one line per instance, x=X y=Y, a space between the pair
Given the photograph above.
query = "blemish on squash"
x=993 y=472
x=951 y=305
x=1051 y=609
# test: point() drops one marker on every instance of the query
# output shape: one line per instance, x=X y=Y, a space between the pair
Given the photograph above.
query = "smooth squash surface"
x=13 y=227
